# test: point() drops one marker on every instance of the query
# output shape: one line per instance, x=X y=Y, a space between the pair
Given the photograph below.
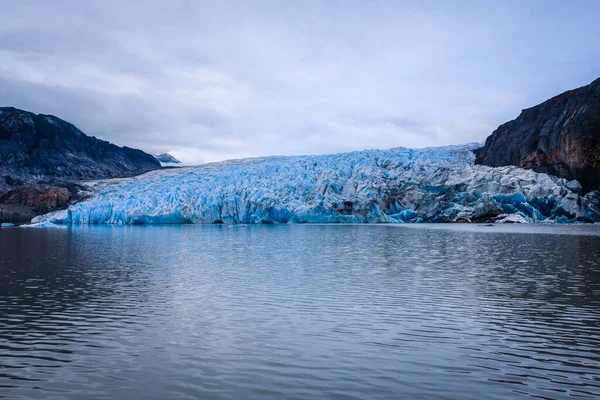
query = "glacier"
x=400 y=185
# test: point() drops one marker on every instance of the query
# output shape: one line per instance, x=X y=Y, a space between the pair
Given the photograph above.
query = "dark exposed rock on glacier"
x=560 y=137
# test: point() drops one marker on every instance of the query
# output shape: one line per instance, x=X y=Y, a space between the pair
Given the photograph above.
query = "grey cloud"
x=209 y=80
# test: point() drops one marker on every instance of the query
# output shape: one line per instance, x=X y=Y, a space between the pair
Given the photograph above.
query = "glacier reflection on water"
x=300 y=311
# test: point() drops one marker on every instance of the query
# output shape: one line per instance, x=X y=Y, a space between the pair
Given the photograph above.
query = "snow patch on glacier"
x=388 y=186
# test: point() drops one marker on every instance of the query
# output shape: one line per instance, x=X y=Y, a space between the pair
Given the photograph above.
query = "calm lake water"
x=304 y=311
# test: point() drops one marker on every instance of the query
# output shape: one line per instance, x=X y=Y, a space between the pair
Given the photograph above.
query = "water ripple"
x=296 y=312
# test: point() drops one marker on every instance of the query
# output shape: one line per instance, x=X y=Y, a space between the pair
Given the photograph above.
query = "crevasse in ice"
x=398 y=185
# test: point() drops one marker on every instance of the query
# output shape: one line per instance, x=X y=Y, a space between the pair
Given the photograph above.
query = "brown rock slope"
x=560 y=137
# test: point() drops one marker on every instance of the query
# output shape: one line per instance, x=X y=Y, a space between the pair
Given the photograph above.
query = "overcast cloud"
x=207 y=81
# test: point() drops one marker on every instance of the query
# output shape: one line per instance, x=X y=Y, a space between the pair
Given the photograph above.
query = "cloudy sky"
x=209 y=81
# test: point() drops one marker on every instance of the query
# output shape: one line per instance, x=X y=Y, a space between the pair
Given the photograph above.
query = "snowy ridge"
x=397 y=185
x=167 y=160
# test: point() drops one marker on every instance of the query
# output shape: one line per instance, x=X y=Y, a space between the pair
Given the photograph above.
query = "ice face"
x=397 y=185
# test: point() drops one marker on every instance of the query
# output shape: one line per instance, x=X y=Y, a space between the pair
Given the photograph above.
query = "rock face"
x=25 y=202
x=43 y=148
x=560 y=137
x=397 y=185
x=41 y=198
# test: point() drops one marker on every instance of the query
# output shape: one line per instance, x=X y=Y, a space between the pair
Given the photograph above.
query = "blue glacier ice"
x=399 y=185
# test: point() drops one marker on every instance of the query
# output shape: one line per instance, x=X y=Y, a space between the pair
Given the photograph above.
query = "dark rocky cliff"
x=42 y=157
x=560 y=137
x=36 y=148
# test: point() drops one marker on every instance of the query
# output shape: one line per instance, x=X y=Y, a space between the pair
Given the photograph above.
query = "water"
x=340 y=312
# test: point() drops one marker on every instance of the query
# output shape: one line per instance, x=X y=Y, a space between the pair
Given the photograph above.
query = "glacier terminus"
x=400 y=185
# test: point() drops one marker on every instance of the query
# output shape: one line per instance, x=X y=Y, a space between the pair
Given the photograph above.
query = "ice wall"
x=397 y=185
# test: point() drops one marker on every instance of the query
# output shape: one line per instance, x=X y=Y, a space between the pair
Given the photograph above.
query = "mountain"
x=398 y=185
x=42 y=158
x=560 y=136
x=43 y=148
x=166 y=158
